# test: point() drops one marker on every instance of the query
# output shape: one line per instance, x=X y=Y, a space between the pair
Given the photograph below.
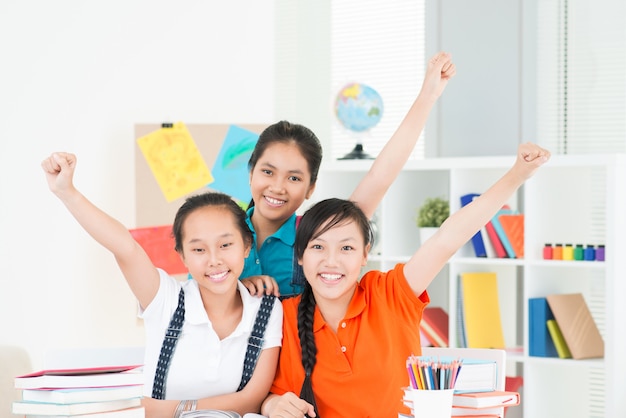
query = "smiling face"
x=213 y=248
x=332 y=261
x=280 y=181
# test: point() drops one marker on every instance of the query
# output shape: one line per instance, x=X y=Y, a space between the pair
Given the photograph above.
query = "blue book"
x=540 y=342
x=504 y=239
x=477 y=239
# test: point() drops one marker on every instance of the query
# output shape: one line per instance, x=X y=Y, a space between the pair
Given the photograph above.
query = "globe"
x=359 y=108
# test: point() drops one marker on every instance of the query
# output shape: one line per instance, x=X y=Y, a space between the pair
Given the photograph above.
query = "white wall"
x=77 y=76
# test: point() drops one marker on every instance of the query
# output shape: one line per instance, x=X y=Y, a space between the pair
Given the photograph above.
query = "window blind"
x=581 y=76
x=382 y=45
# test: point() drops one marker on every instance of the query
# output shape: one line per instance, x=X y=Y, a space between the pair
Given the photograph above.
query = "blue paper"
x=230 y=170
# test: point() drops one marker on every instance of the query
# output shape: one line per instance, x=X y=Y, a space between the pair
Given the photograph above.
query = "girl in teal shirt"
x=283 y=172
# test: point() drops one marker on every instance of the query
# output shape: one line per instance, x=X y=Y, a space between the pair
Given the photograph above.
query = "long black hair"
x=320 y=218
x=286 y=132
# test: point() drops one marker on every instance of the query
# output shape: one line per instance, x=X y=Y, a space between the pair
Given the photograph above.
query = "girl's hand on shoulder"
x=261 y=285
x=290 y=405
x=59 y=168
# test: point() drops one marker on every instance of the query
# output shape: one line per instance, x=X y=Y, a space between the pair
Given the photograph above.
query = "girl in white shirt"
x=212 y=239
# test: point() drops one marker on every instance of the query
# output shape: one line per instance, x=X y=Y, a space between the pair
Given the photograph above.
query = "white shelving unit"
x=572 y=199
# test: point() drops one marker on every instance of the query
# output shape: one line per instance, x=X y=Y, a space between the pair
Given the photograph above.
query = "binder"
x=579 y=330
x=477 y=239
x=540 y=342
x=481 y=310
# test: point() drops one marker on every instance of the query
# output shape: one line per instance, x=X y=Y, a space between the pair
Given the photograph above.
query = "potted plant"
x=431 y=215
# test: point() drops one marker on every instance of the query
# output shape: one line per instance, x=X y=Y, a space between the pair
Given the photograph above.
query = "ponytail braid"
x=306 y=309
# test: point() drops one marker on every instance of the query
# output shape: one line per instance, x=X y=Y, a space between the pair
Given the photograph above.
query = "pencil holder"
x=424 y=403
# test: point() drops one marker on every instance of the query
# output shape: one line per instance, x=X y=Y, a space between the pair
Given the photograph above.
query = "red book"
x=495 y=240
x=493 y=399
x=81 y=378
x=498 y=247
x=82 y=370
x=434 y=325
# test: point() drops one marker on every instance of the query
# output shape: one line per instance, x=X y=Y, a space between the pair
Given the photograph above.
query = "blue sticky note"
x=230 y=171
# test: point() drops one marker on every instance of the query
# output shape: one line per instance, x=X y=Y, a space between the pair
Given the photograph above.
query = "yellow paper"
x=175 y=161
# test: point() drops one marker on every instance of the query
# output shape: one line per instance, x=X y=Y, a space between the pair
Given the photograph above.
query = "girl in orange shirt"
x=345 y=340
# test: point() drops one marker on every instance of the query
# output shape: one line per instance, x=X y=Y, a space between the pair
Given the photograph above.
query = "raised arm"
x=395 y=153
x=462 y=225
x=141 y=275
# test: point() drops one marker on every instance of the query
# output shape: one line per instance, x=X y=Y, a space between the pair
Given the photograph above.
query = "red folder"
x=495 y=240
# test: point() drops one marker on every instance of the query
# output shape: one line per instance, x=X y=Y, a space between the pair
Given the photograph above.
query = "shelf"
x=487 y=261
x=595 y=363
x=601 y=265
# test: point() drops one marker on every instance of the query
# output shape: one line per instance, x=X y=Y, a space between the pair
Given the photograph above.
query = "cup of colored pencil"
x=427 y=373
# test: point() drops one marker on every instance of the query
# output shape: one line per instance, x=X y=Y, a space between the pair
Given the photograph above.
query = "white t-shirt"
x=202 y=365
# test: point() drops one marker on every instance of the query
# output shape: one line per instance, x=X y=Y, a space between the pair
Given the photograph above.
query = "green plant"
x=433 y=212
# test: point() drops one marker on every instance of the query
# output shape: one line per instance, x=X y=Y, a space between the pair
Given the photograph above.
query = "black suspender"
x=255 y=343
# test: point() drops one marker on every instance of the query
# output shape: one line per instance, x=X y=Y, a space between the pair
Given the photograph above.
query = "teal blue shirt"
x=275 y=257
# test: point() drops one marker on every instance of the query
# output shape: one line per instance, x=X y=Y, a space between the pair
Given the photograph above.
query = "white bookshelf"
x=572 y=199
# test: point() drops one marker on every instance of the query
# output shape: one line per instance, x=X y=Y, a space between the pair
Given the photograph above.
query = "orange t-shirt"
x=361 y=369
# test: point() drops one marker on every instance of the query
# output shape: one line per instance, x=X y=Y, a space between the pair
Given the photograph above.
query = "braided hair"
x=306 y=309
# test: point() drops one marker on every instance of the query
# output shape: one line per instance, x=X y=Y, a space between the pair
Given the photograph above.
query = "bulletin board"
x=152 y=208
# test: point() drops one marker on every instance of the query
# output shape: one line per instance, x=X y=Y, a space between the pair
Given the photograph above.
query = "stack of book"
x=473 y=381
x=100 y=392
x=502 y=236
